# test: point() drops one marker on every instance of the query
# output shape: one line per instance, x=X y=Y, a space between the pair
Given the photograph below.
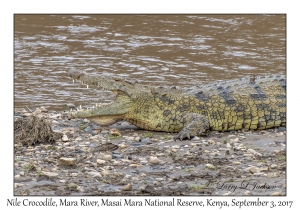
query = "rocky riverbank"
x=124 y=160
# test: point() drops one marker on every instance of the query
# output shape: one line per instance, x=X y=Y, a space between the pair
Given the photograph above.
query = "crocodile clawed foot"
x=183 y=135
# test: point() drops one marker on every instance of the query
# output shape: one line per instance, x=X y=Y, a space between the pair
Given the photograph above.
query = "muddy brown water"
x=183 y=50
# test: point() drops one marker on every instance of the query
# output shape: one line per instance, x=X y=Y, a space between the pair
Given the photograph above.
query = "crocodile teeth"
x=87 y=86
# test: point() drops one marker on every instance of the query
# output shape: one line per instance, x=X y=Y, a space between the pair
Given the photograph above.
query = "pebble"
x=127 y=187
x=65 y=138
x=94 y=174
x=248 y=193
x=88 y=129
x=18 y=185
x=195 y=138
x=129 y=138
x=134 y=165
x=252 y=169
x=17 y=176
x=62 y=181
x=273 y=166
x=100 y=162
x=254 y=152
x=226 y=194
x=276 y=193
x=71 y=106
x=74 y=174
x=115 y=132
x=63 y=161
x=258 y=174
x=104 y=156
x=211 y=142
x=50 y=174
x=123 y=146
x=86 y=120
x=153 y=160
x=210 y=166
x=146 y=141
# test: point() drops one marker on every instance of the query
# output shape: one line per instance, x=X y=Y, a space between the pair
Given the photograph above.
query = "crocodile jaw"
x=106 y=114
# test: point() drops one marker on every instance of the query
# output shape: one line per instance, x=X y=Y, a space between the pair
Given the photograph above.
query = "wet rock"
x=195 y=138
x=127 y=187
x=50 y=174
x=63 y=161
x=153 y=160
x=137 y=139
x=146 y=141
x=281 y=128
x=117 y=156
x=104 y=132
x=88 y=129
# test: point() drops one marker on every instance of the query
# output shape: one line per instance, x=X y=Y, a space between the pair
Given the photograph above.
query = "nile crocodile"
x=249 y=103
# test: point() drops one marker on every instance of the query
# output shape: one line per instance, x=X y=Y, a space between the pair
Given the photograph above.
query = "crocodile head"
x=106 y=114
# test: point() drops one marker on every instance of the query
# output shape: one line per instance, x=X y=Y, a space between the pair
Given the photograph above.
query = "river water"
x=183 y=50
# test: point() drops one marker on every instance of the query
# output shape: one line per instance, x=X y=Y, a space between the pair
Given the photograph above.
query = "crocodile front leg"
x=194 y=124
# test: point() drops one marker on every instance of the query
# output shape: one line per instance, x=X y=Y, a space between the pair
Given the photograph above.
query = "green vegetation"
x=29 y=167
x=189 y=169
x=52 y=147
x=110 y=136
x=166 y=137
x=40 y=173
x=148 y=134
x=198 y=188
x=83 y=125
x=281 y=158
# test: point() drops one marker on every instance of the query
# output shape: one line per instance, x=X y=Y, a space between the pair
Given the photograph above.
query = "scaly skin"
x=249 y=103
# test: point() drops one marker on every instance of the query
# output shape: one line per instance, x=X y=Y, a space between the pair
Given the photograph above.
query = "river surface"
x=183 y=50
